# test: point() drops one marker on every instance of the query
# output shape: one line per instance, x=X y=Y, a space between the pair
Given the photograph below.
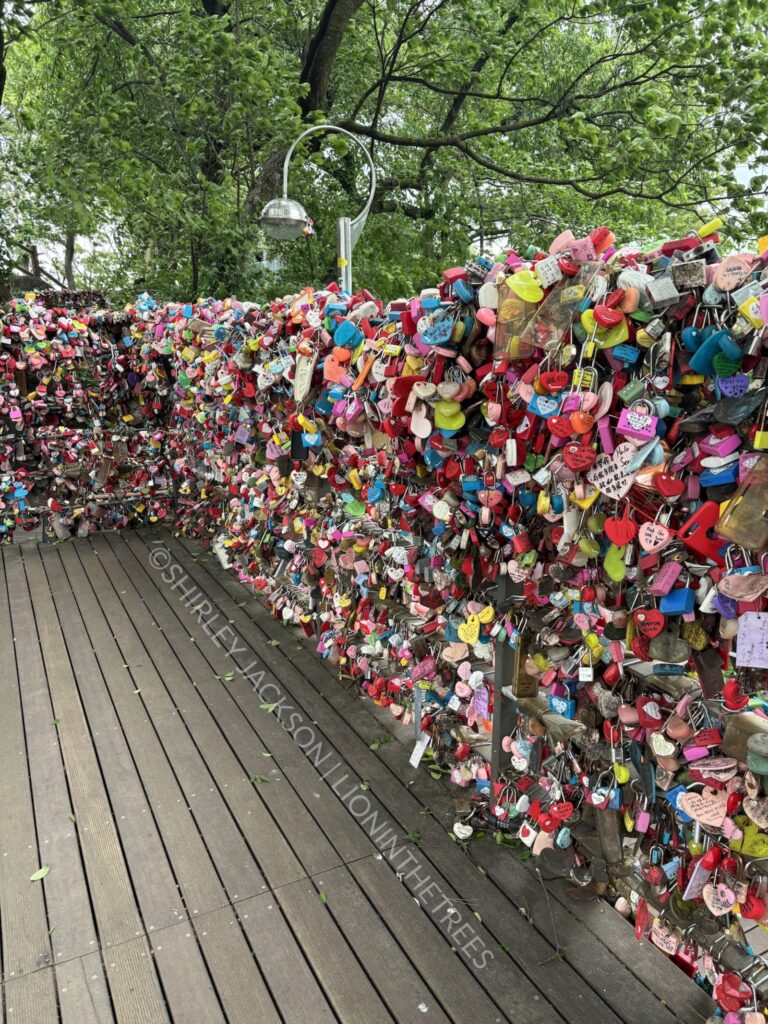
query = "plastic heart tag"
x=554 y=380
x=650 y=622
x=667 y=485
x=560 y=426
x=718 y=898
x=757 y=811
x=609 y=473
x=707 y=807
x=578 y=457
x=654 y=537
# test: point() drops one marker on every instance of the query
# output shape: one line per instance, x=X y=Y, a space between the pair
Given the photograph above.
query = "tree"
x=163 y=123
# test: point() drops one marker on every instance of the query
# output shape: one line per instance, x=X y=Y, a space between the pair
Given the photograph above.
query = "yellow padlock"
x=760 y=442
x=710 y=227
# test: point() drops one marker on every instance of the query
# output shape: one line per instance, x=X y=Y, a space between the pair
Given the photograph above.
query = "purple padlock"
x=725 y=606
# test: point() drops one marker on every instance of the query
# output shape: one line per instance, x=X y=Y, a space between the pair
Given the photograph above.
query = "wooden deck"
x=201 y=868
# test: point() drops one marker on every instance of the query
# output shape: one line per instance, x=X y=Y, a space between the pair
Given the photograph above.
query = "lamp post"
x=286 y=218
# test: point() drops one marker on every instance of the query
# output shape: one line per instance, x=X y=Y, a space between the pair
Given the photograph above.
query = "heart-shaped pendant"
x=578 y=457
x=554 y=380
x=620 y=529
x=609 y=473
x=560 y=426
x=650 y=622
x=582 y=421
x=719 y=899
x=654 y=537
x=708 y=806
x=667 y=485
x=462 y=831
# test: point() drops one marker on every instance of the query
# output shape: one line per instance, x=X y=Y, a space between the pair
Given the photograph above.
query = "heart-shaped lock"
x=620 y=529
x=650 y=622
x=560 y=426
x=757 y=810
x=661 y=745
x=667 y=485
x=582 y=421
x=654 y=537
x=554 y=380
x=578 y=457
x=469 y=631
x=640 y=647
x=462 y=831
x=707 y=807
x=609 y=473
x=719 y=899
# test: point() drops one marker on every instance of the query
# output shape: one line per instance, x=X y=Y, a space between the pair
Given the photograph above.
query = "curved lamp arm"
x=358 y=223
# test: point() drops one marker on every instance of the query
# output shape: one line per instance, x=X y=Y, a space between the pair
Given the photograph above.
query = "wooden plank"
x=290 y=979
x=185 y=725
x=460 y=987
x=242 y=990
x=82 y=991
x=396 y=976
x=608 y=974
x=189 y=992
x=249 y=730
x=229 y=958
x=25 y=940
x=31 y=999
x=69 y=914
x=67 y=896
x=199 y=882
x=665 y=980
x=561 y=985
x=346 y=985
x=58 y=735
x=160 y=903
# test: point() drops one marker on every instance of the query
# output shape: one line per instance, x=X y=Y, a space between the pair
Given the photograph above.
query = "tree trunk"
x=322 y=51
x=195 y=273
x=69 y=260
x=2 y=62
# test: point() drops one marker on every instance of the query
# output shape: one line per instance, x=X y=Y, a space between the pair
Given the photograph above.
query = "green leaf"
x=269 y=708
x=258 y=779
x=322 y=897
x=365 y=786
x=40 y=873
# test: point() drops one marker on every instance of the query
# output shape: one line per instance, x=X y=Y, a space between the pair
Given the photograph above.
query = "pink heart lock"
x=654 y=537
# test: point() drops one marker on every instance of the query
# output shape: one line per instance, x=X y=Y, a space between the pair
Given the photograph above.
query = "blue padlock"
x=718 y=477
x=678 y=602
x=463 y=291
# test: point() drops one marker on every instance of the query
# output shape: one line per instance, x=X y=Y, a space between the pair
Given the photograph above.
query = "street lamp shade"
x=284 y=218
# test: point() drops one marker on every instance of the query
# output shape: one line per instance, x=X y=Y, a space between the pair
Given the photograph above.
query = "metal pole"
x=344 y=252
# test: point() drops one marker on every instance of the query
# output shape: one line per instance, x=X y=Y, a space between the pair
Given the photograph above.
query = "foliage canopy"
x=152 y=131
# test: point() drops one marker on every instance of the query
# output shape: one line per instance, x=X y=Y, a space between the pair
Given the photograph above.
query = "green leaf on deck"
x=269 y=708
x=258 y=778
x=40 y=873
x=322 y=897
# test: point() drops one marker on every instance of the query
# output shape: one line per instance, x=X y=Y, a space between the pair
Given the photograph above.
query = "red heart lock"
x=560 y=426
x=667 y=485
x=733 y=699
x=620 y=530
x=606 y=316
x=498 y=437
x=650 y=622
x=640 y=646
x=753 y=906
x=578 y=457
x=554 y=380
